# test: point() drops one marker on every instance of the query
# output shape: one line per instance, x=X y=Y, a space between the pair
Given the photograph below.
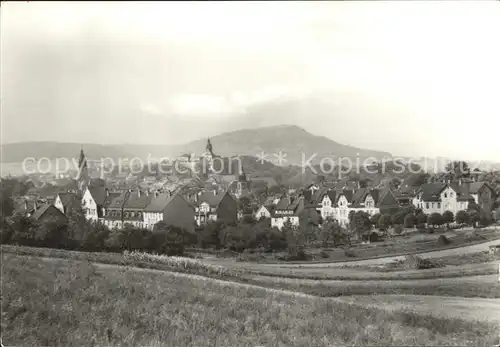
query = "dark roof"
x=359 y=197
x=432 y=191
x=99 y=194
x=118 y=199
x=159 y=203
x=310 y=214
x=212 y=199
x=387 y=199
x=67 y=198
x=137 y=200
x=24 y=206
x=288 y=204
x=109 y=198
x=40 y=211
x=347 y=193
x=283 y=203
x=476 y=186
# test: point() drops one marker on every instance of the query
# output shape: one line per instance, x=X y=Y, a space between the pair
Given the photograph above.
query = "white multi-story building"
x=287 y=210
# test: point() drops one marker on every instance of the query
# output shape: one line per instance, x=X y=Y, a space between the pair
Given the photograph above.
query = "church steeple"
x=209 y=146
x=83 y=172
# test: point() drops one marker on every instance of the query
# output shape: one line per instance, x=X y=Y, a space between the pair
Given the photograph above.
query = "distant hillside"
x=17 y=152
x=296 y=143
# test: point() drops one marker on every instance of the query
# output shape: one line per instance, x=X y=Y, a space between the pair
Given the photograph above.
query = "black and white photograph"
x=250 y=173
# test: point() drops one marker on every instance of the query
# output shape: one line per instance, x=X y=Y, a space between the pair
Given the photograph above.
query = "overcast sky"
x=411 y=78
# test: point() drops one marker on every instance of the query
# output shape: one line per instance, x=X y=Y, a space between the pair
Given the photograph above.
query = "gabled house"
x=133 y=208
x=46 y=212
x=326 y=204
x=288 y=209
x=93 y=202
x=26 y=207
x=113 y=216
x=263 y=212
x=482 y=193
x=65 y=201
x=213 y=206
x=344 y=201
x=440 y=197
x=172 y=209
x=309 y=218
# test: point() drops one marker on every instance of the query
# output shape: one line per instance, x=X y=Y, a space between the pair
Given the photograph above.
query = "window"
x=427 y=205
x=445 y=195
x=451 y=195
x=439 y=205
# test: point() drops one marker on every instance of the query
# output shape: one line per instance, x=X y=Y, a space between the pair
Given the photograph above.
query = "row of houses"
x=317 y=203
x=145 y=209
x=324 y=201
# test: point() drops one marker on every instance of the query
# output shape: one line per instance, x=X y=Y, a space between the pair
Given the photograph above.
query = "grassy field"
x=398 y=246
x=463 y=260
x=67 y=302
x=470 y=286
x=462 y=281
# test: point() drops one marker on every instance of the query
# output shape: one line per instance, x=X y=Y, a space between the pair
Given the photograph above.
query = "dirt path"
x=467 y=308
x=380 y=261
x=488 y=279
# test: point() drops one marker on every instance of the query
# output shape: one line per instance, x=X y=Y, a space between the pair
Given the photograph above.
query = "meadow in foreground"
x=75 y=303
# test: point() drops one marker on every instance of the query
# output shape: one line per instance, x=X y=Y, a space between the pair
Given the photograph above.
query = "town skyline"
x=147 y=79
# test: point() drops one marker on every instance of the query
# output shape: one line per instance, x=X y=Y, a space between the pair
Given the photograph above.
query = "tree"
x=374 y=219
x=174 y=241
x=457 y=170
x=462 y=217
x=421 y=219
x=435 y=219
x=333 y=232
x=78 y=225
x=244 y=204
x=52 y=233
x=398 y=218
x=360 y=223
x=448 y=217
x=211 y=234
x=295 y=241
x=410 y=220
x=95 y=239
x=485 y=218
x=6 y=205
x=384 y=222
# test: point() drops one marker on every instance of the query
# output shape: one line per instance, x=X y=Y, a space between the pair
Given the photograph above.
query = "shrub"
x=398 y=229
x=413 y=262
x=374 y=237
x=349 y=253
x=410 y=220
x=443 y=240
x=421 y=227
x=324 y=254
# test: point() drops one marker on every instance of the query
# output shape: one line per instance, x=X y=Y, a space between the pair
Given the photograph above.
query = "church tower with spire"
x=83 y=178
